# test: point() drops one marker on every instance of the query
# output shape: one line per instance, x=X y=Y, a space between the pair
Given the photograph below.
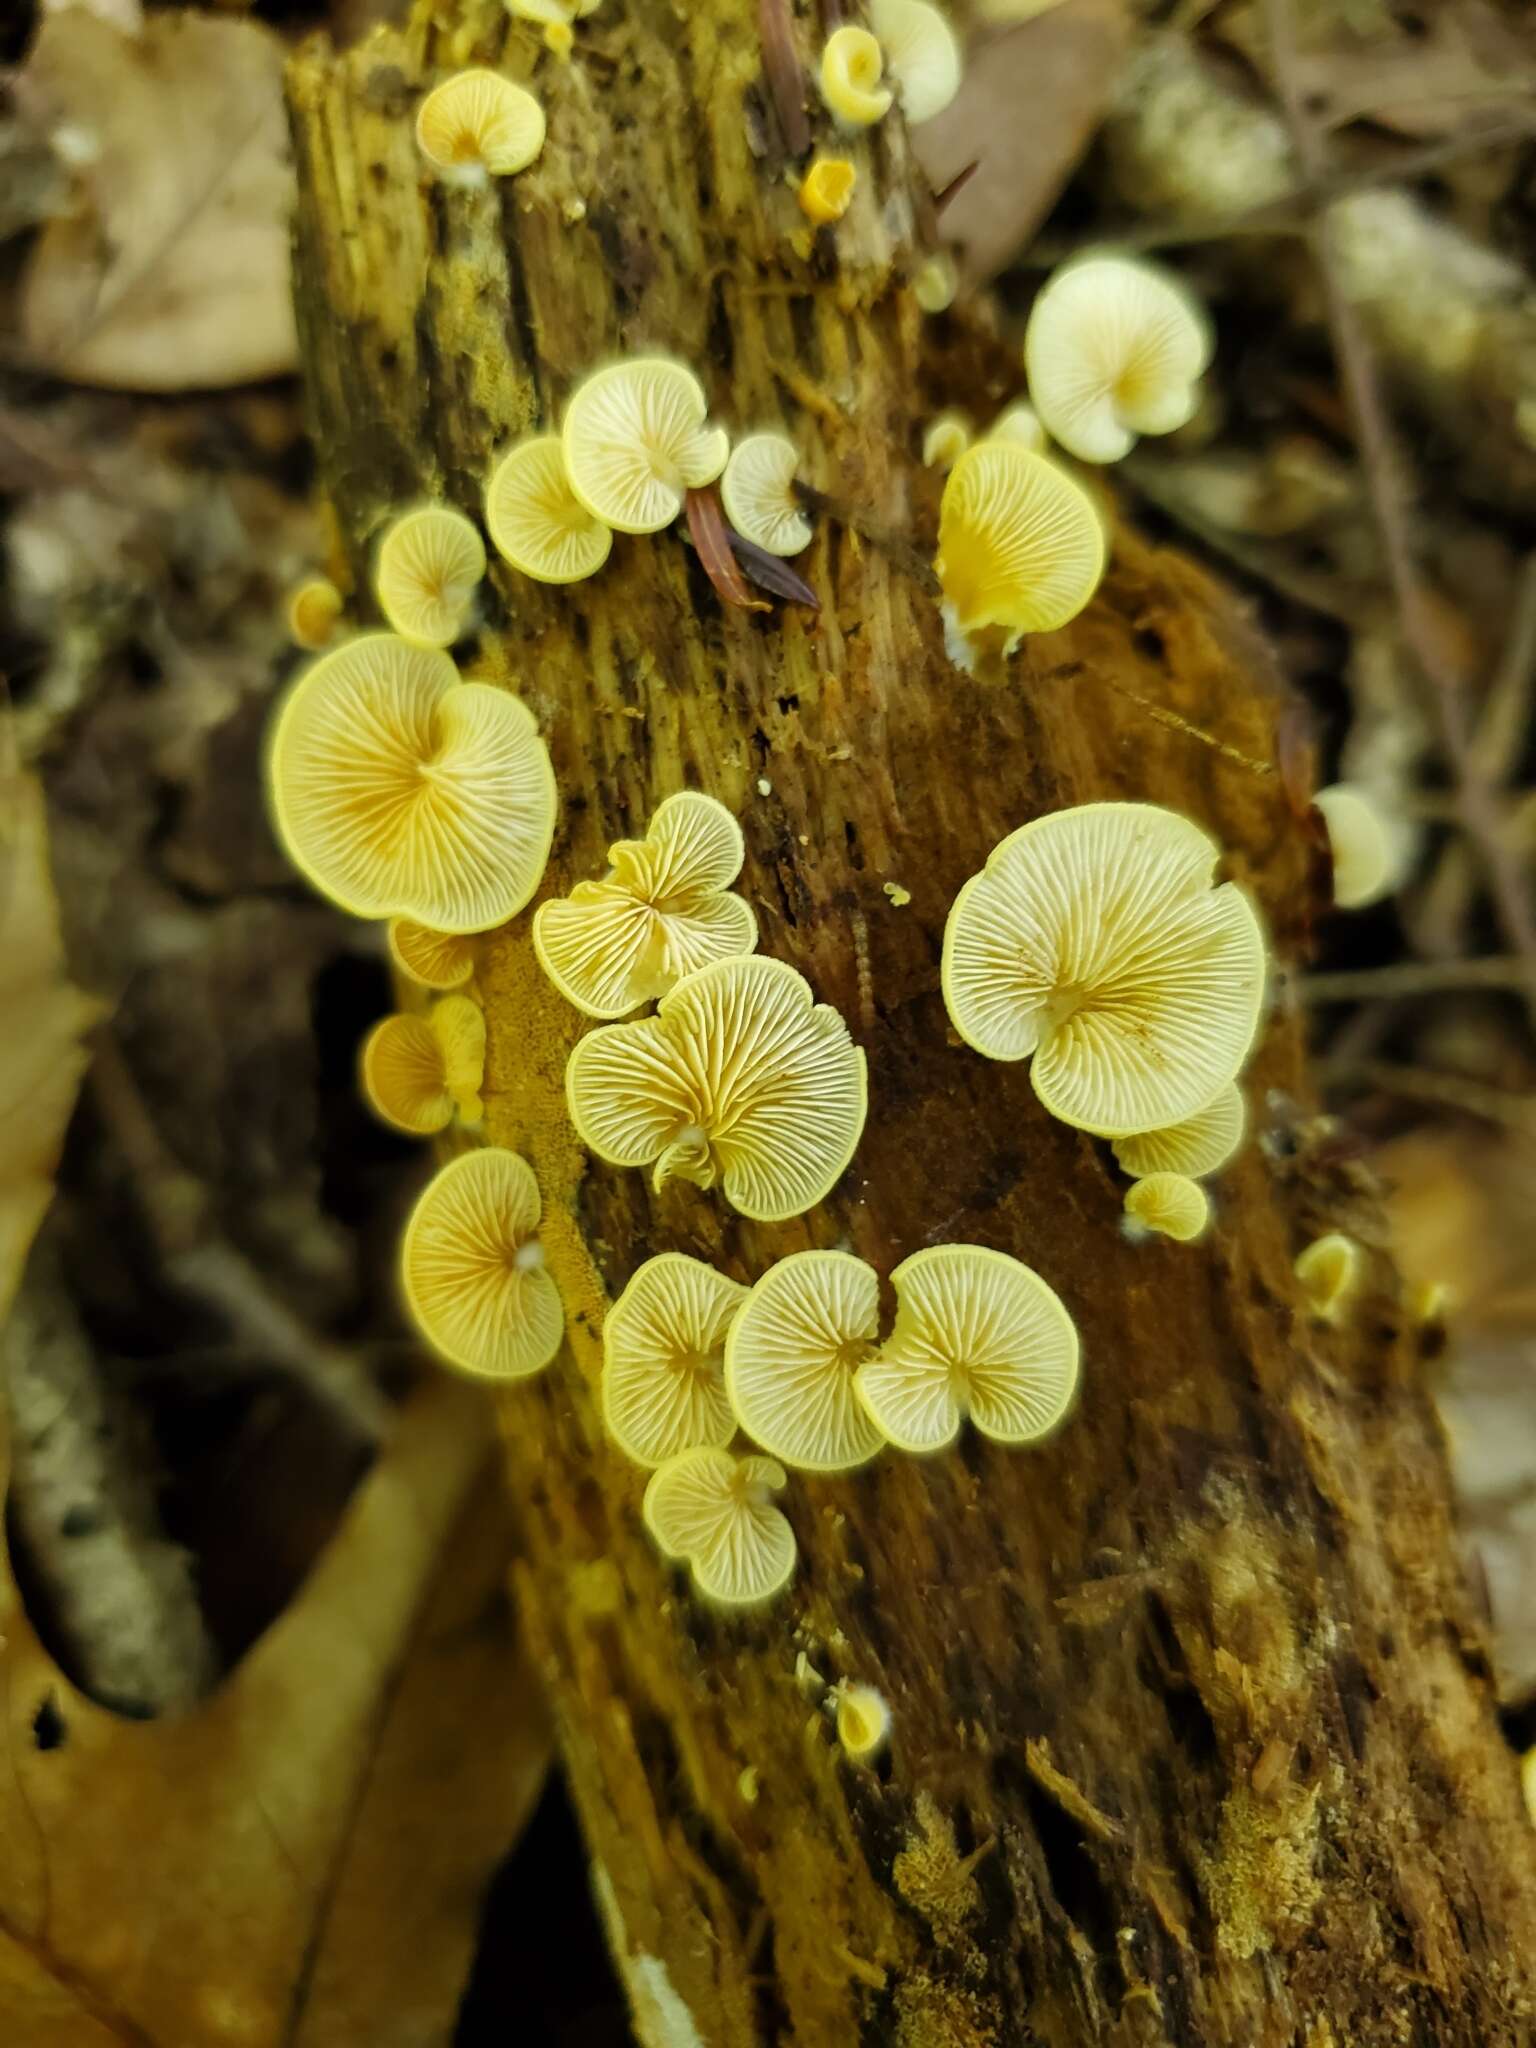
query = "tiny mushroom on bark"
x=945 y=440
x=741 y=1077
x=1021 y=548
x=791 y=1355
x=1114 y=348
x=663 y=1386
x=1360 y=844
x=479 y=125
x=1171 y=1204
x=1019 y=423
x=758 y=494
x=1332 y=1271
x=398 y=790
x=827 y=189
x=977 y=1333
x=314 y=609
x=473 y=1269
x=429 y=563
x=430 y=959
x=1201 y=1144
x=1094 y=940
x=536 y=521
x=852 y=67
x=935 y=282
x=863 y=1721
x=637 y=441
x=716 y=1512
x=921 y=53
x=664 y=910
x=418 y=1073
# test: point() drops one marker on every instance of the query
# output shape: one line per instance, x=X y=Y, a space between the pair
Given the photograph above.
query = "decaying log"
x=1193 y=1737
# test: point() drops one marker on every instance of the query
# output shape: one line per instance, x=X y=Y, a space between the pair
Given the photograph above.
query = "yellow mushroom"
x=663 y=910
x=478 y=125
x=1170 y=1203
x=1360 y=844
x=757 y=491
x=552 y=13
x=397 y=790
x=418 y=1073
x=945 y=440
x=826 y=190
x=716 y=1512
x=637 y=441
x=537 y=522
x=791 y=1355
x=1114 y=349
x=921 y=52
x=852 y=66
x=473 y=1271
x=740 y=1077
x=1021 y=548
x=429 y=563
x=935 y=282
x=663 y=1386
x=976 y=1333
x=314 y=608
x=1201 y=1144
x=1332 y=1272
x=863 y=1721
x=1019 y=423
x=1094 y=941
x=431 y=959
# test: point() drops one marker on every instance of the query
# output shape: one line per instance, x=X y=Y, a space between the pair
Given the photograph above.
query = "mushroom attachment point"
x=663 y=910
x=1114 y=349
x=637 y=441
x=1094 y=940
x=399 y=791
x=1171 y=1204
x=314 y=611
x=758 y=493
x=1203 y=1143
x=716 y=1512
x=663 y=1384
x=429 y=563
x=922 y=55
x=1332 y=1272
x=741 y=1077
x=1021 y=547
x=430 y=959
x=976 y=1333
x=418 y=1073
x=537 y=522
x=826 y=190
x=852 y=66
x=805 y=1329
x=478 y=125
x=1360 y=844
x=472 y=1268
x=863 y=1721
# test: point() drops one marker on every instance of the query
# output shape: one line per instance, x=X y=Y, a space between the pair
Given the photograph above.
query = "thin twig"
x=1409 y=978
x=1442 y=1091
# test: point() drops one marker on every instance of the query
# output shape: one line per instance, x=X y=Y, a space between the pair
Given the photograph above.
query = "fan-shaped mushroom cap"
x=400 y=791
x=314 y=608
x=976 y=1333
x=758 y=493
x=636 y=443
x=945 y=440
x=1020 y=545
x=827 y=188
x=1019 y=423
x=431 y=959
x=1360 y=843
x=852 y=65
x=717 y=1512
x=419 y=1071
x=663 y=910
x=1201 y=1144
x=863 y=1721
x=1331 y=1271
x=1170 y=1203
x=741 y=1075
x=478 y=124
x=663 y=1388
x=473 y=1270
x=921 y=54
x=1094 y=940
x=791 y=1355
x=537 y=522
x=1113 y=349
x=429 y=563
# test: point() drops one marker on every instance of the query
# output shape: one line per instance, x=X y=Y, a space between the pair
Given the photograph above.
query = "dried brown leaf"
x=712 y=538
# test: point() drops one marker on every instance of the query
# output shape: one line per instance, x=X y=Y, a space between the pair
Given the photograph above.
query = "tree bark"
x=1193 y=1733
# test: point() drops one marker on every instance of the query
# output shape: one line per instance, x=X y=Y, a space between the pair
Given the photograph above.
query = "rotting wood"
x=1223 y=1605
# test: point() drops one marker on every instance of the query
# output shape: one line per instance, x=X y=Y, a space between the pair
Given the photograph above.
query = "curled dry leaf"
x=173 y=273
x=712 y=537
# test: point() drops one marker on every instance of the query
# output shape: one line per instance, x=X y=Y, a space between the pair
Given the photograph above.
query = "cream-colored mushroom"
x=430 y=561
x=472 y=1268
x=791 y=1355
x=716 y=1512
x=1360 y=843
x=536 y=521
x=1171 y=1204
x=757 y=492
x=1332 y=1272
x=637 y=440
x=1201 y=1144
x=663 y=1381
x=1021 y=548
x=478 y=125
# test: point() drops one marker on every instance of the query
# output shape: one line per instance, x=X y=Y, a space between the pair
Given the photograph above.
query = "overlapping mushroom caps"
x=536 y=521
x=1359 y=843
x=430 y=959
x=636 y=441
x=791 y=1356
x=1094 y=940
x=472 y=1268
x=740 y=1077
x=478 y=125
x=1021 y=548
x=757 y=491
x=665 y=909
x=1114 y=349
x=419 y=1072
x=716 y=1512
x=922 y=55
x=1201 y=1144
x=430 y=561
x=398 y=790
x=1171 y=1204
x=976 y=1333
x=663 y=1384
